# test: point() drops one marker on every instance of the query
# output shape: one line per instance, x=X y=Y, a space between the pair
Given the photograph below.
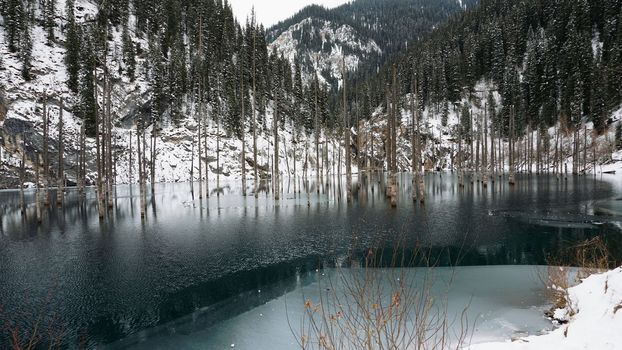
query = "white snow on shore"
x=595 y=319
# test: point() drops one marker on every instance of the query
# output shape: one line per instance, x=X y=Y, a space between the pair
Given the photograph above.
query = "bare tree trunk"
x=243 y=155
x=199 y=144
x=294 y=143
x=389 y=143
x=255 y=119
x=460 y=162
x=493 y=165
x=82 y=161
x=37 y=190
x=217 y=154
x=131 y=164
x=100 y=189
x=46 y=159
x=61 y=160
x=154 y=152
x=192 y=165
x=511 y=179
x=140 y=169
x=22 y=175
x=276 y=186
x=347 y=136
x=485 y=173
x=109 y=173
x=538 y=152
x=413 y=143
x=584 y=148
x=205 y=140
x=317 y=138
x=144 y=154
x=477 y=136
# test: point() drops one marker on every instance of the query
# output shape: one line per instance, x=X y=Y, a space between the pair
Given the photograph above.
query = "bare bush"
x=569 y=267
x=368 y=306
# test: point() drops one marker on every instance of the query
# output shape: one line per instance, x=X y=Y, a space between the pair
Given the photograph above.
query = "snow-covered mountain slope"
x=21 y=116
x=324 y=47
x=367 y=33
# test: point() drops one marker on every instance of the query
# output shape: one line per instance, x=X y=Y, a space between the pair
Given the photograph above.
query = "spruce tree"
x=26 y=50
x=50 y=19
x=87 y=107
x=129 y=54
x=73 y=45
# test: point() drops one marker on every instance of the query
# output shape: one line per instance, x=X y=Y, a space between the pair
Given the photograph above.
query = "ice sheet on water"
x=503 y=301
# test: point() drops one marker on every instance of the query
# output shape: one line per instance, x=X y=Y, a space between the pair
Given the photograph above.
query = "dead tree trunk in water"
x=255 y=116
x=243 y=155
x=217 y=152
x=276 y=182
x=413 y=144
x=347 y=135
x=130 y=164
x=37 y=190
x=22 y=175
x=206 y=141
x=511 y=179
x=61 y=160
x=98 y=130
x=485 y=174
x=82 y=162
x=317 y=138
x=46 y=159
x=109 y=173
x=139 y=131
x=199 y=145
x=154 y=154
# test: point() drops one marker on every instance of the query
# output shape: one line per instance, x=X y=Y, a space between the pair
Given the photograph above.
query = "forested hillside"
x=550 y=61
x=182 y=50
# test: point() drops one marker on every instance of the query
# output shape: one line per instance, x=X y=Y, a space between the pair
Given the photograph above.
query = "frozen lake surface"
x=501 y=302
x=101 y=283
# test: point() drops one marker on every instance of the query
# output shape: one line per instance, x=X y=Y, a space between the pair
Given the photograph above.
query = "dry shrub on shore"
x=369 y=306
x=569 y=267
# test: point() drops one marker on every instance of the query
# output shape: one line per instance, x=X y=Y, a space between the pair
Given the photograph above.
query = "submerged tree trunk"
x=61 y=160
x=139 y=131
x=22 y=175
x=276 y=181
x=511 y=179
x=46 y=159
x=347 y=137
x=37 y=191
x=255 y=118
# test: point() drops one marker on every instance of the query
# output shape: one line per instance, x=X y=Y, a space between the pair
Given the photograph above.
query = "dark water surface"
x=94 y=283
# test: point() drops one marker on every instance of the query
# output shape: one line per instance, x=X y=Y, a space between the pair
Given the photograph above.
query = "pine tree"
x=129 y=54
x=14 y=18
x=73 y=45
x=50 y=19
x=26 y=51
x=87 y=108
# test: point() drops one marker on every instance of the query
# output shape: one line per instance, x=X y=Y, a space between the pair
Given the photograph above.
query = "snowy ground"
x=594 y=319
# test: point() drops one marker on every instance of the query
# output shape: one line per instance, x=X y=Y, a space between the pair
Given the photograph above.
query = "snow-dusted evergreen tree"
x=87 y=106
x=129 y=54
x=26 y=49
x=49 y=11
x=73 y=45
